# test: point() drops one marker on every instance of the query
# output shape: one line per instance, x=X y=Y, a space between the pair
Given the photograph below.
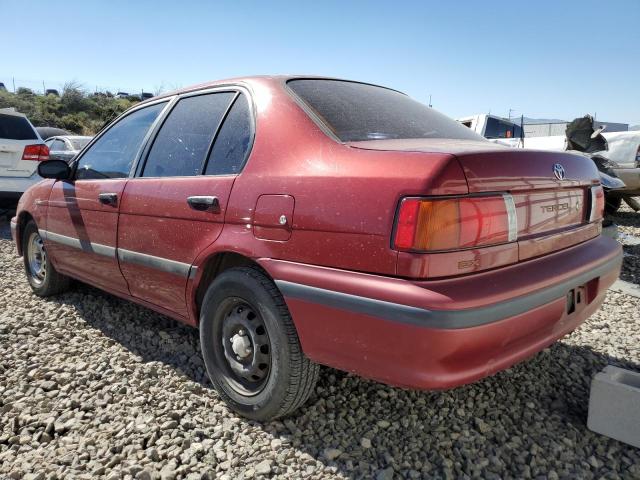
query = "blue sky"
x=551 y=59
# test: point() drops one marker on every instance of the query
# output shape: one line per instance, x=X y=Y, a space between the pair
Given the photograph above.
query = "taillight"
x=36 y=152
x=597 y=204
x=425 y=224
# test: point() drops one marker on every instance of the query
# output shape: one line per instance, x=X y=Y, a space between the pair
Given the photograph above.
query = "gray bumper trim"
x=159 y=263
x=444 y=319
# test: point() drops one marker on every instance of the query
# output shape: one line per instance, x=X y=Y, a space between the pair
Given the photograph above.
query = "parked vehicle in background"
x=621 y=150
x=146 y=96
x=615 y=153
x=2 y=87
x=66 y=147
x=48 y=132
x=52 y=91
x=122 y=95
x=495 y=129
x=21 y=148
x=299 y=221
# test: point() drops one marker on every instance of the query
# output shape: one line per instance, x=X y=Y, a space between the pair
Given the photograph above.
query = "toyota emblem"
x=558 y=171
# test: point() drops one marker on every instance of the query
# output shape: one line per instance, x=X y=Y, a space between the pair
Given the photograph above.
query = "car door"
x=171 y=211
x=82 y=217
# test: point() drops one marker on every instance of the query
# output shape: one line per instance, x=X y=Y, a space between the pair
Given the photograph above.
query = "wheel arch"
x=210 y=268
x=22 y=219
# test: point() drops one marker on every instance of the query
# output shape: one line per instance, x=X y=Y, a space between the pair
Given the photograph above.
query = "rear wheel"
x=41 y=274
x=250 y=346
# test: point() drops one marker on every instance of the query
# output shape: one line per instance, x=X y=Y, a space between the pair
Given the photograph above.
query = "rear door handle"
x=204 y=203
x=108 y=198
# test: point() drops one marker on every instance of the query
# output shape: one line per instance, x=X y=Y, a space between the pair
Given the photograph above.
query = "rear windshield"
x=359 y=112
x=501 y=129
x=16 y=128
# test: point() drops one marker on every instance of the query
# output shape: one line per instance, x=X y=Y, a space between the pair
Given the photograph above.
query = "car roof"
x=251 y=79
x=11 y=111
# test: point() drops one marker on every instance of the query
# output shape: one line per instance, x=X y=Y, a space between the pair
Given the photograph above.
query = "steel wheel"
x=36 y=258
x=246 y=350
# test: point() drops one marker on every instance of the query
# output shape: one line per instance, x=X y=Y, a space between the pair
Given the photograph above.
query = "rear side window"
x=58 y=145
x=112 y=155
x=232 y=142
x=359 y=112
x=183 y=142
x=13 y=127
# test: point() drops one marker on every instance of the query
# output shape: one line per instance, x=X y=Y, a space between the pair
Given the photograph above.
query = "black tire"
x=247 y=298
x=45 y=281
x=612 y=204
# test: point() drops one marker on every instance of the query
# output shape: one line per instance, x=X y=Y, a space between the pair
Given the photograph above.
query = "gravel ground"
x=629 y=235
x=93 y=386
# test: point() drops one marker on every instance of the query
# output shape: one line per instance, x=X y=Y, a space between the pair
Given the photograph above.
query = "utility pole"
x=510 y=110
x=13 y=79
x=430 y=106
x=44 y=89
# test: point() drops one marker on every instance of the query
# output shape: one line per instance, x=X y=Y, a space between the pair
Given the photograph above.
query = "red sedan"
x=300 y=221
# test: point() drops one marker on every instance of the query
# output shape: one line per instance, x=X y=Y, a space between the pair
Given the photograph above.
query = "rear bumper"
x=12 y=188
x=441 y=334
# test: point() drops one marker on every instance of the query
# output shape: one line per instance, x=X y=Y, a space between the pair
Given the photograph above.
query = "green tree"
x=75 y=110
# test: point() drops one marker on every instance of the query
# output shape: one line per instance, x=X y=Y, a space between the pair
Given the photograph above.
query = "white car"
x=21 y=148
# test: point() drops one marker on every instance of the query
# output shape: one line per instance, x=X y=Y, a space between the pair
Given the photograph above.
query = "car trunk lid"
x=551 y=193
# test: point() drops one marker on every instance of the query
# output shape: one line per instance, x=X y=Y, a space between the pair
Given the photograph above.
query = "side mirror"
x=57 y=169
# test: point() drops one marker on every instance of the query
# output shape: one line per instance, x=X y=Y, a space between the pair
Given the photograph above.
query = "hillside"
x=74 y=110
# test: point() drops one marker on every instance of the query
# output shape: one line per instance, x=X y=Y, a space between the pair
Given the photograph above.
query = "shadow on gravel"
x=626 y=219
x=358 y=427
x=149 y=335
x=5 y=228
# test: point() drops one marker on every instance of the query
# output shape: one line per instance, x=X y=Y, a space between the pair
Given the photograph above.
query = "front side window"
x=233 y=140
x=183 y=141
x=356 y=112
x=112 y=155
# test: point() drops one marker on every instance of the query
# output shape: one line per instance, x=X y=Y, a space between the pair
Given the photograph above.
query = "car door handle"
x=204 y=203
x=108 y=198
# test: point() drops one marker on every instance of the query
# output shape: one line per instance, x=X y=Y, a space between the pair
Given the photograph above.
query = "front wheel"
x=250 y=346
x=41 y=274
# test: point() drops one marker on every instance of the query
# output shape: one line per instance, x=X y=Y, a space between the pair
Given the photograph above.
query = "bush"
x=74 y=110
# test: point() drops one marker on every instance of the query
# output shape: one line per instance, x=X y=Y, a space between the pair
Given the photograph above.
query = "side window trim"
x=165 y=115
x=205 y=162
x=138 y=167
x=102 y=132
x=141 y=157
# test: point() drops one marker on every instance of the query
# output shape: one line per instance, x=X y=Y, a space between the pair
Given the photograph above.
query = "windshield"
x=359 y=112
